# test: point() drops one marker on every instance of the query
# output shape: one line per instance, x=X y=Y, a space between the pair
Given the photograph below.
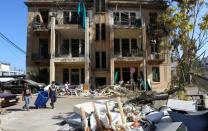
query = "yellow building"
x=121 y=41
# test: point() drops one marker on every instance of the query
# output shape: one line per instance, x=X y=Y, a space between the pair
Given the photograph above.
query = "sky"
x=13 y=24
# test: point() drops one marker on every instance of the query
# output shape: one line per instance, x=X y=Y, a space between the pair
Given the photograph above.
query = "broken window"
x=116 y=17
x=126 y=75
x=97 y=2
x=100 y=5
x=133 y=18
x=154 y=46
x=65 y=47
x=82 y=47
x=71 y=17
x=125 y=18
x=116 y=46
x=44 y=15
x=125 y=47
x=43 y=48
x=66 y=17
x=74 y=18
x=155 y=74
x=65 y=75
x=97 y=59
x=103 y=31
x=103 y=59
x=97 y=31
x=75 y=76
x=152 y=18
x=100 y=81
x=75 y=47
x=134 y=46
x=82 y=75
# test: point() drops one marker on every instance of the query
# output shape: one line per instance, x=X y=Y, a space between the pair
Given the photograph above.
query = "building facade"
x=122 y=41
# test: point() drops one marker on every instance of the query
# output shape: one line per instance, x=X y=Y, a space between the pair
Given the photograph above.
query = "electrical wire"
x=11 y=51
x=11 y=43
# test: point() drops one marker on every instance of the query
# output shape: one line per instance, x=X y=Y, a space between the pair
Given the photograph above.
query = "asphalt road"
x=45 y=119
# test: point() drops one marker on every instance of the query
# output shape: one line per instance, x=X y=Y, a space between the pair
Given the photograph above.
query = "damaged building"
x=122 y=41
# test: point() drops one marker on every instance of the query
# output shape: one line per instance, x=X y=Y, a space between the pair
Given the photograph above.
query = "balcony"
x=73 y=58
x=39 y=27
x=157 y=29
x=156 y=58
x=135 y=3
x=73 y=55
x=66 y=24
x=40 y=58
x=127 y=53
x=126 y=19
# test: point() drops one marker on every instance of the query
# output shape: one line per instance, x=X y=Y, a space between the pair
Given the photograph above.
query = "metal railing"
x=38 y=57
x=127 y=53
x=73 y=55
x=157 y=56
x=157 y=27
x=67 y=21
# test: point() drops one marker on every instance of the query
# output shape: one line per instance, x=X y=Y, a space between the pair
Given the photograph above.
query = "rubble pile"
x=115 y=91
x=110 y=115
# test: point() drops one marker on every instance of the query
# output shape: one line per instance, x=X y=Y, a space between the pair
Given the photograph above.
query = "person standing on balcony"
x=52 y=94
x=26 y=94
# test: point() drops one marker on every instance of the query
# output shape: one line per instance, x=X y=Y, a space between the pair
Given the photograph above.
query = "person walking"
x=52 y=94
x=26 y=95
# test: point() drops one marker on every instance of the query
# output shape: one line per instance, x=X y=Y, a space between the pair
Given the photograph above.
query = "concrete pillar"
x=112 y=68
x=53 y=41
x=87 y=59
x=52 y=70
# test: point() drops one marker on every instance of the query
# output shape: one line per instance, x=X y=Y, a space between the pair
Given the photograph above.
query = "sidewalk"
x=39 y=119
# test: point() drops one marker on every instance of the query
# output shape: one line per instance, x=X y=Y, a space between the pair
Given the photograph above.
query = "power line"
x=11 y=43
x=12 y=52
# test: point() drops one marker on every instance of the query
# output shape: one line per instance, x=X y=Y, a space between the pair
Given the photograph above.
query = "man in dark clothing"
x=52 y=94
x=26 y=94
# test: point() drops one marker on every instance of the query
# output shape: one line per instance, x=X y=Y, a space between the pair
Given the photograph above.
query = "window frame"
x=156 y=70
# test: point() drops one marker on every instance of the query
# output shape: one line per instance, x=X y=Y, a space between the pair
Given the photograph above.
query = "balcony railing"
x=157 y=56
x=156 y=28
x=130 y=23
x=73 y=55
x=68 y=21
x=127 y=53
x=38 y=57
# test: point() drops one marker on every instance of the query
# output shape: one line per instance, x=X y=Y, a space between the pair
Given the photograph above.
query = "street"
x=44 y=119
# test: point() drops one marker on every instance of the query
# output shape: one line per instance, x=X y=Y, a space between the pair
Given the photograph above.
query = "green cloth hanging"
x=81 y=10
x=115 y=77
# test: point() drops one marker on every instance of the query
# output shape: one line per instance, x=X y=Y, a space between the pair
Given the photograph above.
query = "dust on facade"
x=119 y=35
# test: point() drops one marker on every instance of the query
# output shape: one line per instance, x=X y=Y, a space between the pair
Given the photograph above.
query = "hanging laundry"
x=82 y=14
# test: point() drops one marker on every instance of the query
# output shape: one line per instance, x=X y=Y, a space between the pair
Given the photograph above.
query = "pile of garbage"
x=122 y=115
x=114 y=91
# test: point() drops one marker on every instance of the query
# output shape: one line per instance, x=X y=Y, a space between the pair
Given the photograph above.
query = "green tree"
x=187 y=25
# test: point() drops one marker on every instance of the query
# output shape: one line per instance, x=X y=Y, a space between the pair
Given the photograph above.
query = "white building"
x=5 y=70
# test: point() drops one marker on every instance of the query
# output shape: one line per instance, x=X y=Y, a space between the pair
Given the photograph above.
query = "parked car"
x=16 y=86
x=7 y=99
